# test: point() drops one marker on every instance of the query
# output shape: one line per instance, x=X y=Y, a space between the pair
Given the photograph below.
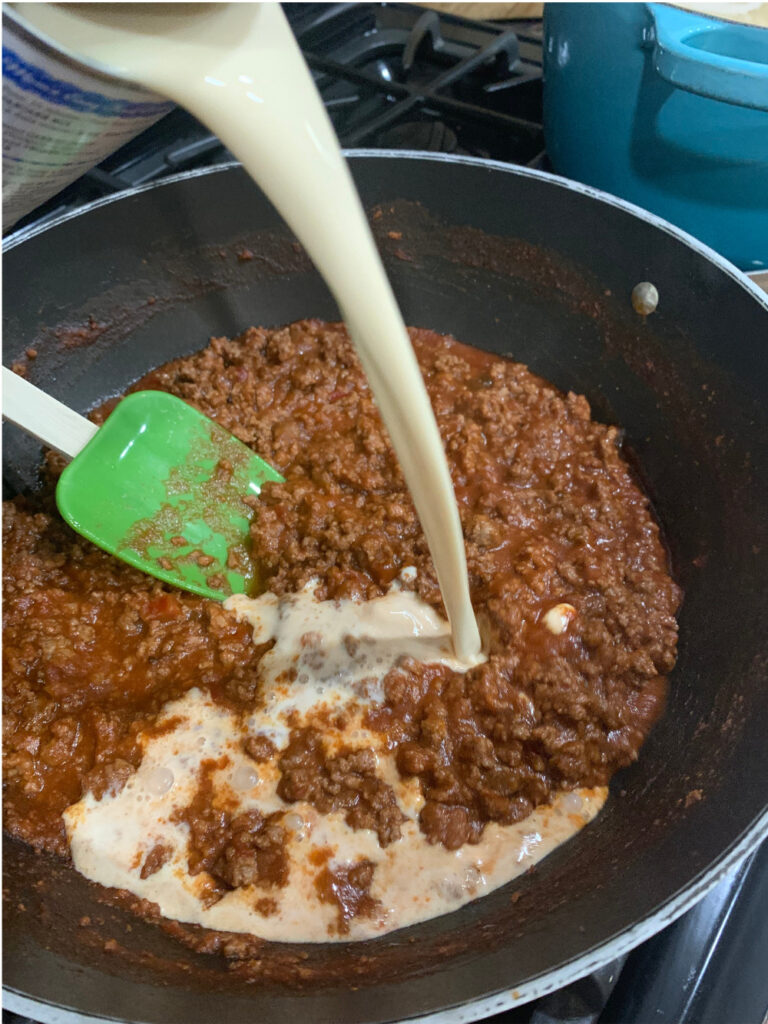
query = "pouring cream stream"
x=237 y=67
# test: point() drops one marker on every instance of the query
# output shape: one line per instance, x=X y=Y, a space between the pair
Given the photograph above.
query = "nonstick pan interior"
x=523 y=265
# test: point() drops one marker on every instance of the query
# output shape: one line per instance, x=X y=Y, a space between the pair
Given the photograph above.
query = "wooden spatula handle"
x=44 y=417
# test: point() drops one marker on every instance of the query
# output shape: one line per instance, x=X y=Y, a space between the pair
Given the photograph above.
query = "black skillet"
x=523 y=264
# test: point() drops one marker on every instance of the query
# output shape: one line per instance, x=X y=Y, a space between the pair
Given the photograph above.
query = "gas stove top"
x=393 y=76
x=397 y=76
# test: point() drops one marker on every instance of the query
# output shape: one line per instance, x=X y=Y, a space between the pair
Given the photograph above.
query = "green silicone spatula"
x=159 y=485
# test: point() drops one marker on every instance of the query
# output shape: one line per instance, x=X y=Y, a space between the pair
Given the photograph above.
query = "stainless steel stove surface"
x=397 y=76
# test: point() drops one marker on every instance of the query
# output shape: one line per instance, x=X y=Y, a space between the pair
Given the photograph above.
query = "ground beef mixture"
x=157 y=856
x=347 y=889
x=233 y=849
x=346 y=781
x=551 y=515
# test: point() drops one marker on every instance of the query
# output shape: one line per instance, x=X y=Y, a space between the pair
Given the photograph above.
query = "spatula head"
x=166 y=489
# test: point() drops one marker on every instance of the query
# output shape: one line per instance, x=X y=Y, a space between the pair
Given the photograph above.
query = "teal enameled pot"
x=667 y=108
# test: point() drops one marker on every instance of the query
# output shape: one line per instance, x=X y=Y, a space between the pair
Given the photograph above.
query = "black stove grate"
x=402 y=68
x=392 y=76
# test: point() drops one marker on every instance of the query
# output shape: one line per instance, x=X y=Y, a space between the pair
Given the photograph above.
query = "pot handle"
x=713 y=58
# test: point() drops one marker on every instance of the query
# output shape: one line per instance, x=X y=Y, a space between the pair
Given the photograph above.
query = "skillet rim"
x=739 y=276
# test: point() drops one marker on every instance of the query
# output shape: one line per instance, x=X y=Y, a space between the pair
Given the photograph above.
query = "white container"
x=61 y=117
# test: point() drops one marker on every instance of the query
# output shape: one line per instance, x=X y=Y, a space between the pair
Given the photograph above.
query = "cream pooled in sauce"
x=412 y=881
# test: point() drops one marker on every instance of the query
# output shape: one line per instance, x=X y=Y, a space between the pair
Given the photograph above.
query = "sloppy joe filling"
x=279 y=854
x=235 y=764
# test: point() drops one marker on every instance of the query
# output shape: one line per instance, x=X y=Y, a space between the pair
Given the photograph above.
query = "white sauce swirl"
x=350 y=644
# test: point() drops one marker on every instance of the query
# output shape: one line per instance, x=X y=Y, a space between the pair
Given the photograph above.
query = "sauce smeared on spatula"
x=237 y=67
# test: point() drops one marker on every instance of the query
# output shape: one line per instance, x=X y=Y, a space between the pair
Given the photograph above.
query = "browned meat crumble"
x=551 y=514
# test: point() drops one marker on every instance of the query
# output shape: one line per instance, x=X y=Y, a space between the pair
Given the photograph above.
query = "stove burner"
x=433 y=136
